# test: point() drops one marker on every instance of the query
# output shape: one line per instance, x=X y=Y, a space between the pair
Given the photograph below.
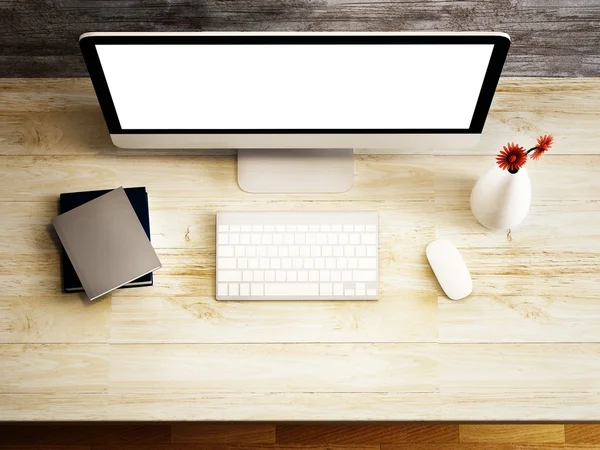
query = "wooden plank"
x=518 y=368
x=80 y=434
x=241 y=406
x=181 y=368
x=549 y=38
x=53 y=368
x=582 y=433
x=359 y=434
x=524 y=433
x=243 y=446
x=227 y=433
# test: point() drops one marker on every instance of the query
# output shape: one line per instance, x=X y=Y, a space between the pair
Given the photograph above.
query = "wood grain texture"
x=525 y=345
x=530 y=434
x=227 y=433
x=488 y=446
x=350 y=434
x=83 y=434
x=582 y=433
x=556 y=38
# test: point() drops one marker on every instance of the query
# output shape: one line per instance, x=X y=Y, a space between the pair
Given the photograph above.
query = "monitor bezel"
x=500 y=42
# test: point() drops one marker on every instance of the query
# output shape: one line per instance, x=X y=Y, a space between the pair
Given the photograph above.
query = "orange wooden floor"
x=244 y=436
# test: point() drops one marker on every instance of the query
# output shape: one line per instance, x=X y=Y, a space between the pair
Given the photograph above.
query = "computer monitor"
x=295 y=105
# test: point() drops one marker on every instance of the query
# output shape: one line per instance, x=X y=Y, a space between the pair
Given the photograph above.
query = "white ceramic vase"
x=500 y=199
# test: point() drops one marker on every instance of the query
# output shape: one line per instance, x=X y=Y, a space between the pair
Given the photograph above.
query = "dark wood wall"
x=38 y=38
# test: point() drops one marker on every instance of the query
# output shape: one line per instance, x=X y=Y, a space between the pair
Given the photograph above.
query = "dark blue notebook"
x=139 y=200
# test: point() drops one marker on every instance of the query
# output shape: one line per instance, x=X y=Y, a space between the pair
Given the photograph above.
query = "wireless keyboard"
x=266 y=255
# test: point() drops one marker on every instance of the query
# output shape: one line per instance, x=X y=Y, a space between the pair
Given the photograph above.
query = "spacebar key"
x=291 y=289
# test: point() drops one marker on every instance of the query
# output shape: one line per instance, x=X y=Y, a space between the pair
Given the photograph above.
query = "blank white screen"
x=294 y=86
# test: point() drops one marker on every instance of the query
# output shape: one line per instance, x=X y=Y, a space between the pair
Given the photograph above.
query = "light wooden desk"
x=524 y=346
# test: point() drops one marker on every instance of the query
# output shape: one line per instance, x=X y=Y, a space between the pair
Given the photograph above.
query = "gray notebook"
x=106 y=243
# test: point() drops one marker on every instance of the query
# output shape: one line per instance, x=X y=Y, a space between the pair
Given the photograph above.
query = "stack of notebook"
x=106 y=240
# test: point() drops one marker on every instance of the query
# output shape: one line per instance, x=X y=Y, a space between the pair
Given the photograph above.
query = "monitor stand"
x=295 y=170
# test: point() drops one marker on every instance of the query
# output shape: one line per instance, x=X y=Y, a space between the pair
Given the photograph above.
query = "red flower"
x=513 y=157
x=543 y=144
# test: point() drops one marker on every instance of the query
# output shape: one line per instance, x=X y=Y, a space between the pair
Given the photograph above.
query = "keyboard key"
x=247 y=275
x=223 y=239
x=303 y=275
x=288 y=239
x=360 y=228
x=280 y=275
x=278 y=239
x=234 y=228
x=234 y=238
x=352 y=263
x=259 y=275
x=372 y=250
x=338 y=250
x=266 y=239
x=246 y=228
x=324 y=275
x=338 y=289
x=229 y=275
x=250 y=251
x=311 y=238
x=283 y=251
x=240 y=250
x=303 y=228
x=330 y=263
x=346 y=275
x=321 y=239
x=326 y=250
x=304 y=250
x=280 y=228
x=223 y=228
x=253 y=263
x=367 y=263
x=326 y=289
x=292 y=289
x=371 y=291
x=261 y=251
x=361 y=250
x=255 y=239
x=371 y=228
x=349 y=250
x=308 y=263
x=364 y=275
x=336 y=275
x=348 y=228
x=222 y=290
x=313 y=275
x=354 y=239
x=226 y=250
x=299 y=239
x=315 y=250
x=257 y=228
x=360 y=286
x=297 y=263
x=336 y=228
x=245 y=239
x=292 y=275
x=294 y=250
x=343 y=238
x=270 y=275
x=341 y=263
x=233 y=289
x=349 y=292
x=244 y=290
x=271 y=251
x=226 y=263
x=332 y=238
x=286 y=263
x=275 y=263
x=242 y=263
x=325 y=228
x=368 y=239
x=291 y=228
x=268 y=228
x=313 y=228
x=319 y=263
x=360 y=292
x=257 y=289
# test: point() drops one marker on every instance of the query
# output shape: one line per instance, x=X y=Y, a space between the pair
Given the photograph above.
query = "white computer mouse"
x=449 y=269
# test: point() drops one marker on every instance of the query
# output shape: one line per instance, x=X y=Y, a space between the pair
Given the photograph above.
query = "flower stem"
x=530 y=150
